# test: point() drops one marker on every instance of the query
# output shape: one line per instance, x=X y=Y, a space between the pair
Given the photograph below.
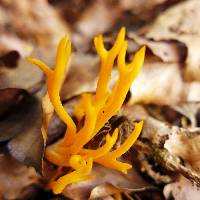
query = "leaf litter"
x=165 y=95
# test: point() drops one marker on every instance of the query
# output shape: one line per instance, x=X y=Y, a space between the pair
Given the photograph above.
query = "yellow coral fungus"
x=80 y=174
x=96 y=109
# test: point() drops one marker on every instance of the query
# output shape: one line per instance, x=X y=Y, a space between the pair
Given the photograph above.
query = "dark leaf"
x=22 y=124
x=9 y=98
x=10 y=59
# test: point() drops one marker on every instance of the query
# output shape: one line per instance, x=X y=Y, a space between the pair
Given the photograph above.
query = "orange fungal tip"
x=96 y=110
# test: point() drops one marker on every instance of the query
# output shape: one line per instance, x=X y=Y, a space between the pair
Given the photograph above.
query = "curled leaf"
x=21 y=126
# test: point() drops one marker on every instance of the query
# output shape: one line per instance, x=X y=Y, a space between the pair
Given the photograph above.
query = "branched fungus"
x=96 y=109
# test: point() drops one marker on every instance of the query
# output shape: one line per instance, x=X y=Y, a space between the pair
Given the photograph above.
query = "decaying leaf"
x=154 y=130
x=156 y=133
x=181 y=115
x=101 y=12
x=192 y=90
x=9 y=98
x=25 y=109
x=9 y=44
x=104 y=190
x=98 y=13
x=29 y=23
x=144 y=10
x=154 y=84
x=21 y=124
x=177 y=23
x=134 y=112
x=167 y=161
x=190 y=111
x=182 y=189
x=167 y=51
x=15 y=179
x=186 y=146
x=24 y=76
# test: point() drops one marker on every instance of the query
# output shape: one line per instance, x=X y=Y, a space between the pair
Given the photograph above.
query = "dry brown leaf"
x=154 y=129
x=9 y=42
x=182 y=190
x=104 y=190
x=183 y=115
x=189 y=110
x=177 y=23
x=41 y=24
x=24 y=76
x=139 y=12
x=186 y=147
x=167 y=51
x=159 y=83
x=98 y=18
x=134 y=112
x=15 y=178
x=192 y=91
